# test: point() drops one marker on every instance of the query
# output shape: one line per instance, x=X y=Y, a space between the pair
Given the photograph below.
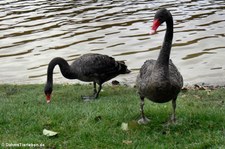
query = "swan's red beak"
x=156 y=24
x=48 y=98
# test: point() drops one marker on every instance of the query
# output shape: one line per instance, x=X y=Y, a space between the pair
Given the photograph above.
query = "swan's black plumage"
x=94 y=68
x=159 y=80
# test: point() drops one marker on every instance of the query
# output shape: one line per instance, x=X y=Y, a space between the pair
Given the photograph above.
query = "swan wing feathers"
x=147 y=68
x=175 y=76
x=96 y=64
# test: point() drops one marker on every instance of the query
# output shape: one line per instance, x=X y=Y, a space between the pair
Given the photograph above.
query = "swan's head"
x=48 y=92
x=161 y=16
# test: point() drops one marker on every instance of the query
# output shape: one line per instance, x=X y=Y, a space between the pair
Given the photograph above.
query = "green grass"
x=97 y=124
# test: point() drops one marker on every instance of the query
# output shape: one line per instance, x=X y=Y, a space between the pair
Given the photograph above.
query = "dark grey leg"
x=95 y=91
x=173 y=117
x=99 y=90
x=143 y=120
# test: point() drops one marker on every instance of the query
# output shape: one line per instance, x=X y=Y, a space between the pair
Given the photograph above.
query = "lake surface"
x=32 y=32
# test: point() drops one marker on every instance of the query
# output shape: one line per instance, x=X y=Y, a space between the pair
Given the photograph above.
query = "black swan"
x=159 y=80
x=94 y=68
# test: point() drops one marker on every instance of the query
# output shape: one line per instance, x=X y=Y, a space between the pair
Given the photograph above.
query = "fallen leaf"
x=196 y=96
x=202 y=88
x=184 y=89
x=49 y=133
x=127 y=142
x=124 y=126
x=208 y=92
x=196 y=86
x=183 y=96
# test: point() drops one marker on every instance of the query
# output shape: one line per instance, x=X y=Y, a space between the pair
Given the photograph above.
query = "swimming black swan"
x=159 y=80
x=94 y=68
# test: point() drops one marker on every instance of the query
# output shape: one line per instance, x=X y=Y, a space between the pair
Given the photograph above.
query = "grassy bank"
x=97 y=124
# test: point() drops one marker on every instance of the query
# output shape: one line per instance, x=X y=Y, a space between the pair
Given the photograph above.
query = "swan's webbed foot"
x=144 y=121
x=95 y=94
x=88 y=98
x=172 y=119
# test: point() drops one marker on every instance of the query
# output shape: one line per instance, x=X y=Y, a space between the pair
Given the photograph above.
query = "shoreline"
x=127 y=80
x=118 y=82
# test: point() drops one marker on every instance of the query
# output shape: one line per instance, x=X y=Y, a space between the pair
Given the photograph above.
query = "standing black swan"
x=94 y=68
x=159 y=80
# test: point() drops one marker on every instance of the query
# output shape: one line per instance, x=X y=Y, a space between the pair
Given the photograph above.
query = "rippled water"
x=32 y=32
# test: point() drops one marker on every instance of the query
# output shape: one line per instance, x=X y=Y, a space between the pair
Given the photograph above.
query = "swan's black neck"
x=64 y=68
x=164 y=55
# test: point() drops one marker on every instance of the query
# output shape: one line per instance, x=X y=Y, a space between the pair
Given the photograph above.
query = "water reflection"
x=33 y=32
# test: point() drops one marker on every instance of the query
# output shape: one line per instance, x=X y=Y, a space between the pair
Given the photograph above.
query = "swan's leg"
x=99 y=90
x=143 y=120
x=95 y=91
x=95 y=95
x=173 y=117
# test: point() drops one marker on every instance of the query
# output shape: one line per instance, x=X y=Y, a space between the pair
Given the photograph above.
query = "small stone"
x=115 y=82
